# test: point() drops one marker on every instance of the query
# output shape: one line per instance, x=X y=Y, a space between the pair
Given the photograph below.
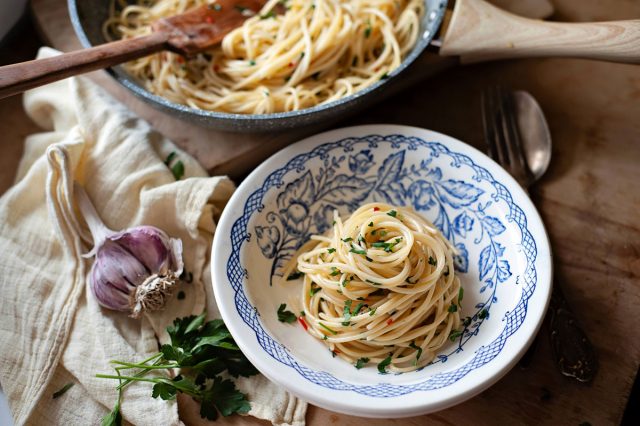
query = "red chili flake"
x=216 y=68
x=375 y=209
x=180 y=60
x=336 y=351
x=209 y=20
x=390 y=321
x=291 y=64
x=303 y=323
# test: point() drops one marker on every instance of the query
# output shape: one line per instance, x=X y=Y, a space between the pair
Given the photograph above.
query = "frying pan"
x=474 y=30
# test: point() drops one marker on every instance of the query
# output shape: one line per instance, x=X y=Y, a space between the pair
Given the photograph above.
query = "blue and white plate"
x=504 y=262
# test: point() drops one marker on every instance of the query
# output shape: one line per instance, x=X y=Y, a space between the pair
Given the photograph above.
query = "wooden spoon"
x=189 y=33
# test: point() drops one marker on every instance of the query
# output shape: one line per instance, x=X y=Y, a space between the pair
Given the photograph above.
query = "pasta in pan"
x=316 y=52
x=381 y=288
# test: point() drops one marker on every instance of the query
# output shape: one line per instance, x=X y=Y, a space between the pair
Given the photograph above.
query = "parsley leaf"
x=460 y=296
x=453 y=308
x=226 y=398
x=331 y=250
x=361 y=362
x=295 y=275
x=432 y=261
x=392 y=213
x=285 y=316
x=417 y=348
x=357 y=250
x=382 y=366
x=453 y=336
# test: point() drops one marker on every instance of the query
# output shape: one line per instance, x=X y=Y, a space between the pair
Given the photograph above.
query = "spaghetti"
x=316 y=52
x=381 y=288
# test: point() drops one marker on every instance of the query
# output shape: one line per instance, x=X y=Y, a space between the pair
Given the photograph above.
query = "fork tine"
x=515 y=149
x=500 y=138
x=492 y=130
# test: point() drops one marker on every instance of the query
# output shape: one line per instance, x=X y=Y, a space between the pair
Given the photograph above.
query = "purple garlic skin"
x=135 y=269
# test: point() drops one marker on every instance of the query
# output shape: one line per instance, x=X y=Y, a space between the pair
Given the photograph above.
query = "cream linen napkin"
x=52 y=331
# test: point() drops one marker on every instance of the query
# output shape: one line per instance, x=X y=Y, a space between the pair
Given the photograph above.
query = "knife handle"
x=479 y=31
x=572 y=350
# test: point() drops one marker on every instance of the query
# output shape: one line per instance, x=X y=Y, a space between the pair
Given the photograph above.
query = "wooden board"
x=589 y=200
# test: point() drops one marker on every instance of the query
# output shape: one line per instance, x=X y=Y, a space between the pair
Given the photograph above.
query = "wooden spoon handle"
x=479 y=31
x=17 y=78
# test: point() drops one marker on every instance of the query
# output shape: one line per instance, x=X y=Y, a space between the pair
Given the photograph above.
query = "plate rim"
x=487 y=376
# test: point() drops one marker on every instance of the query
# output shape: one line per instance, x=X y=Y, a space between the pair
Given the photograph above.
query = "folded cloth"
x=52 y=330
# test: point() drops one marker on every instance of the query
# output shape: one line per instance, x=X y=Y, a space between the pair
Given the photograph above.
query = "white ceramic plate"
x=504 y=262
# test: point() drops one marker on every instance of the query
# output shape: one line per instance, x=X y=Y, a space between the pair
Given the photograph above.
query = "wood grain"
x=17 y=78
x=479 y=31
x=589 y=200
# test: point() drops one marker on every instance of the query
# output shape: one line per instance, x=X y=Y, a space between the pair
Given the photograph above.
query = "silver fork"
x=515 y=130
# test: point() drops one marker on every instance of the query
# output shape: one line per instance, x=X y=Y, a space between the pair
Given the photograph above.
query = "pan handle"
x=479 y=31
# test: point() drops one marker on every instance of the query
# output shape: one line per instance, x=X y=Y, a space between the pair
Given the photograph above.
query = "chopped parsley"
x=454 y=335
x=388 y=247
x=372 y=312
x=371 y=224
x=330 y=330
x=348 y=313
x=64 y=389
x=178 y=167
x=361 y=362
x=295 y=275
x=372 y=282
x=348 y=239
x=432 y=261
x=382 y=366
x=285 y=316
x=367 y=30
x=483 y=314
x=357 y=250
x=453 y=308
x=314 y=290
x=417 y=348
x=460 y=296
x=270 y=14
x=334 y=271
x=331 y=250
x=252 y=62
x=384 y=76
x=392 y=213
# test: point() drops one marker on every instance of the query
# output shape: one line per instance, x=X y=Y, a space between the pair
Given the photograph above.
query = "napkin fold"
x=52 y=330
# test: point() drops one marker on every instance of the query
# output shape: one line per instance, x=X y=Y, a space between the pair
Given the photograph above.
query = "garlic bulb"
x=135 y=269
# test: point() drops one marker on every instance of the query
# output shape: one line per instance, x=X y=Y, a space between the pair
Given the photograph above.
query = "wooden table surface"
x=589 y=200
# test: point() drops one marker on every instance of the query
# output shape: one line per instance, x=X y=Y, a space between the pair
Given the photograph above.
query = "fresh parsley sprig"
x=201 y=350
